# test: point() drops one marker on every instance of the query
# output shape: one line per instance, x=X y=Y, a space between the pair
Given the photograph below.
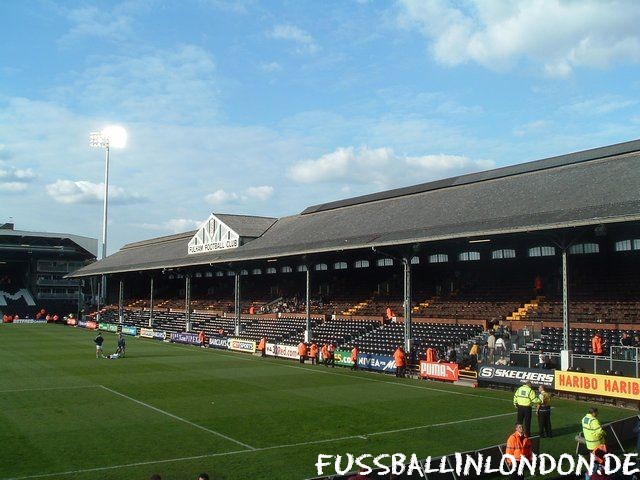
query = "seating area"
x=551 y=340
x=588 y=311
x=388 y=337
x=283 y=330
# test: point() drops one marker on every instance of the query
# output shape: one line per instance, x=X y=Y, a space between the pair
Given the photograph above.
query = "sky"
x=267 y=107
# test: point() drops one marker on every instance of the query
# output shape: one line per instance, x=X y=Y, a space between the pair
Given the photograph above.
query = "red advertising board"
x=72 y=321
x=439 y=371
x=92 y=325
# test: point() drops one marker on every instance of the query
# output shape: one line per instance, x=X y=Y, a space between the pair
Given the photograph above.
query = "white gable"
x=213 y=235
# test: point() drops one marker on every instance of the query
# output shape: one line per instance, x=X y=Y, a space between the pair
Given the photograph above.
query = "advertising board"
x=516 y=375
x=600 y=385
x=241 y=345
x=439 y=371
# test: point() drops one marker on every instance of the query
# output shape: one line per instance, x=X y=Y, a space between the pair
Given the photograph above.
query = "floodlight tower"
x=113 y=136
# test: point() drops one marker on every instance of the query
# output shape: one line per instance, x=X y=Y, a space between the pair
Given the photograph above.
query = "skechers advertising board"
x=128 y=330
x=219 y=342
x=283 y=351
x=516 y=375
x=240 y=345
x=151 y=333
x=185 y=337
x=439 y=371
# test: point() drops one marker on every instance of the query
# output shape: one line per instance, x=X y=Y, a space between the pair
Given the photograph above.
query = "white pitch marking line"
x=47 y=388
x=175 y=417
x=261 y=449
x=240 y=356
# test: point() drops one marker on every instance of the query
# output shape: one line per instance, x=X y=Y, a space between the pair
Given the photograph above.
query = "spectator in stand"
x=538 y=285
x=596 y=344
x=221 y=331
x=501 y=347
x=354 y=357
x=389 y=313
x=331 y=348
x=519 y=446
x=543 y=361
x=626 y=343
x=313 y=353
x=473 y=353
x=452 y=355
x=636 y=341
x=262 y=346
x=491 y=347
x=252 y=310
x=400 y=361
x=302 y=351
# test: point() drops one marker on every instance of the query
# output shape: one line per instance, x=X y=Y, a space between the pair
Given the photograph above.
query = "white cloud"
x=598 y=105
x=555 y=35
x=81 y=191
x=305 y=42
x=15 y=174
x=174 y=225
x=107 y=23
x=530 y=127
x=12 y=187
x=271 y=67
x=263 y=192
x=176 y=85
x=382 y=167
x=14 y=179
x=220 y=196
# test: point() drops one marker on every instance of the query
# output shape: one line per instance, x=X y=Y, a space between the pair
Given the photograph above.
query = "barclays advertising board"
x=219 y=342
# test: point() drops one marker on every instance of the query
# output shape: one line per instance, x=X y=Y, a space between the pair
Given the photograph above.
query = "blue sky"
x=265 y=108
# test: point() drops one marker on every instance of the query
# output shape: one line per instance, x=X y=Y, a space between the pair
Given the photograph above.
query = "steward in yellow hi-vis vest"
x=523 y=399
x=593 y=433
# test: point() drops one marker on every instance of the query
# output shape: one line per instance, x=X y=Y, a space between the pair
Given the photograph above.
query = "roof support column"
x=151 y=302
x=120 y=301
x=565 y=354
x=99 y=299
x=187 y=302
x=307 y=332
x=237 y=303
x=408 y=340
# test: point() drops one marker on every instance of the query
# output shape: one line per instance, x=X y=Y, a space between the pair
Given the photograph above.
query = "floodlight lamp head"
x=111 y=136
x=98 y=140
x=116 y=136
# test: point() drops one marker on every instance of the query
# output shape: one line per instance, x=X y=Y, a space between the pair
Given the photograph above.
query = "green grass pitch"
x=179 y=410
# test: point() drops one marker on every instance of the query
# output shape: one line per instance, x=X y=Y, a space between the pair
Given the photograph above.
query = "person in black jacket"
x=98 y=341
